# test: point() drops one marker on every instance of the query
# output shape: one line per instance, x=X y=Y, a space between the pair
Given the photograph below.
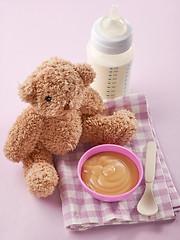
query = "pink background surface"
x=33 y=31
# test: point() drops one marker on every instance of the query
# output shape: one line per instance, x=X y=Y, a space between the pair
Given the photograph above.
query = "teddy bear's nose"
x=66 y=107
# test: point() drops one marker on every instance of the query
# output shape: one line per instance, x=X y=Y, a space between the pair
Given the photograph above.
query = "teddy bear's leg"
x=39 y=172
x=116 y=129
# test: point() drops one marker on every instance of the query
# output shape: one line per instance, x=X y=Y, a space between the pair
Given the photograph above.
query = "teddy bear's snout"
x=67 y=107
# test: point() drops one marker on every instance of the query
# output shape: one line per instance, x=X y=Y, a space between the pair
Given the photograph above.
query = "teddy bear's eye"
x=48 y=98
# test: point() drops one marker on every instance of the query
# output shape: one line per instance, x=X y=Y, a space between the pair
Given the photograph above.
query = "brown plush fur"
x=63 y=110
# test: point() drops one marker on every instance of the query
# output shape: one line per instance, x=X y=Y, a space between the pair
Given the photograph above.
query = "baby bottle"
x=110 y=52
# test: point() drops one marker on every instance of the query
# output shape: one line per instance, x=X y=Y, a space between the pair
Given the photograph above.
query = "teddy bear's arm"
x=23 y=135
x=92 y=102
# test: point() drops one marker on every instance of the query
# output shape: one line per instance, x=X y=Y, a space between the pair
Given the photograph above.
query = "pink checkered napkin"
x=81 y=211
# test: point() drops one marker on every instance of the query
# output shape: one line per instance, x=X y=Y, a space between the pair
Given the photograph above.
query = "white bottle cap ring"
x=108 y=44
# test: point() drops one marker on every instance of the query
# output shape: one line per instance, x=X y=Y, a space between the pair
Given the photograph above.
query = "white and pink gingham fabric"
x=81 y=211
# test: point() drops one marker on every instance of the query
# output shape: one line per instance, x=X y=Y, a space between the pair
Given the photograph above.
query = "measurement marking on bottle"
x=117 y=81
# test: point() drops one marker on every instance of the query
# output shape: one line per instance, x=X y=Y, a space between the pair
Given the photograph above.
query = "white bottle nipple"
x=113 y=25
x=112 y=34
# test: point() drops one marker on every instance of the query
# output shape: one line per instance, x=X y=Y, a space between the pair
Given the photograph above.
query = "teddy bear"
x=63 y=110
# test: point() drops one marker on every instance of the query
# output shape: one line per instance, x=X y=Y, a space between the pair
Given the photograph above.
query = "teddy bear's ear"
x=86 y=72
x=27 y=90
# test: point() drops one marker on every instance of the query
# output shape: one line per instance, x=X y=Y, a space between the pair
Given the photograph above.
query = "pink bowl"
x=112 y=148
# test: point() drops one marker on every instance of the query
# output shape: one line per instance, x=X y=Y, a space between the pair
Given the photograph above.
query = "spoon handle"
x=150 y=162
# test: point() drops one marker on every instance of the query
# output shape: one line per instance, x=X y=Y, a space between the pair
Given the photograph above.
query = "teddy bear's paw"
x=127 y=126
x=118 y=128
x=41 y=179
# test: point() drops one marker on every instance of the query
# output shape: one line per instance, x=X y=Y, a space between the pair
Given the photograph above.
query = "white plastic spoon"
x=147 y=205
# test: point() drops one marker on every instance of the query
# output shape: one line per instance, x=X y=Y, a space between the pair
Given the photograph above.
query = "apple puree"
x=110 y=173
